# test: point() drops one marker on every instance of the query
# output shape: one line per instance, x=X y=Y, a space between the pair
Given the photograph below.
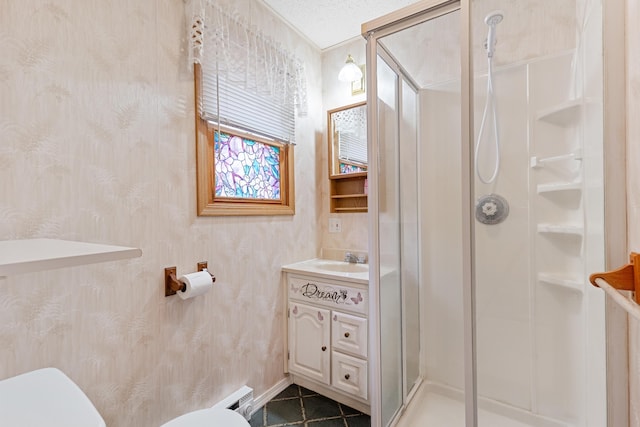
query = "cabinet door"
x=309 y=340
x=349 y=334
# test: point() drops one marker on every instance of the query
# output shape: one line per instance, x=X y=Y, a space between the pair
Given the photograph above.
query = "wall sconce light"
x=350 y=71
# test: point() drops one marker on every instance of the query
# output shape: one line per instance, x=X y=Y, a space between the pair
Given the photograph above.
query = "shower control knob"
x=324 y=348
x=346 y=334
x=489 y=208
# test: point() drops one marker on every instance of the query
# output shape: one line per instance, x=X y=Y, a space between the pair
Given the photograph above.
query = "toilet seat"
x=208 y=418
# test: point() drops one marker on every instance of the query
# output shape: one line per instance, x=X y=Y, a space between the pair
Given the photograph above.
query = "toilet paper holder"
x=171 y=283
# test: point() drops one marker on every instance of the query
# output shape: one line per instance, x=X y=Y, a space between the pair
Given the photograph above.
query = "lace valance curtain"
x=352 y=120
x=244 y=71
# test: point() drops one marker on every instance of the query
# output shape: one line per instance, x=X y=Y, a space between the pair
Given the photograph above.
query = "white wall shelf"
x=561 y=229
x=559 y=186
x=561 y=281
x=32 y=255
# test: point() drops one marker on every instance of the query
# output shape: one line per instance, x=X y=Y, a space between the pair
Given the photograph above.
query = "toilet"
x=209 y=417
x=48 y=398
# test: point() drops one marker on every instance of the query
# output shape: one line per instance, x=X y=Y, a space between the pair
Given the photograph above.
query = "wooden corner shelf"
x=348 y=193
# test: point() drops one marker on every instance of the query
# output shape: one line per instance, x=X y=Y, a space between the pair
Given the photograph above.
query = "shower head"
x=492 y=19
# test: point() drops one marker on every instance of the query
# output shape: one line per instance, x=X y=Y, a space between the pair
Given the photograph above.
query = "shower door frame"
x=411 y=15
x=615 y=209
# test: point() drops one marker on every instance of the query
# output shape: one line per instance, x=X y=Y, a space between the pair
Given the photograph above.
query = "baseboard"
x=276 y=389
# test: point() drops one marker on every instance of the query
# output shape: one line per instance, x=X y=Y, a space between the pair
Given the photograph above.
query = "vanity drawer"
x=333 y=296
x=349 y=334
x=349 y=374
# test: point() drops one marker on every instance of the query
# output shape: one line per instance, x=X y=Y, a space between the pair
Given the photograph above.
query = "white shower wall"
x=503 y=315
x=532 y=336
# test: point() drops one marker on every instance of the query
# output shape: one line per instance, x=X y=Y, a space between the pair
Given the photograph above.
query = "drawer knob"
x=347 y=376
x=346 y=334
x=324 y=348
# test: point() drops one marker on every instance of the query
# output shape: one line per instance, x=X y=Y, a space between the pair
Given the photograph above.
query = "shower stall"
x=486 y=199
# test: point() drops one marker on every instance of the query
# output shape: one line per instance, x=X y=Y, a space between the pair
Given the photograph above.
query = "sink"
x=342 y=267
x=331 y=269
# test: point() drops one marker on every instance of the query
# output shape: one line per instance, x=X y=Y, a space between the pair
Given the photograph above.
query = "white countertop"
x=329 y=269
x=32 y=255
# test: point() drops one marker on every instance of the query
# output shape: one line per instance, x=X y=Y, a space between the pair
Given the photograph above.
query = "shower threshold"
x=435 y=406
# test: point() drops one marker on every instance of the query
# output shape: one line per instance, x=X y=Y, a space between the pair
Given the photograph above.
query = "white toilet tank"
x=45 y=397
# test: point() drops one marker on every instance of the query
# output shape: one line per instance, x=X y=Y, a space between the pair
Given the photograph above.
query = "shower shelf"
x=561 y=229
x=562 y=114
x=561 y=281
x=559 y=186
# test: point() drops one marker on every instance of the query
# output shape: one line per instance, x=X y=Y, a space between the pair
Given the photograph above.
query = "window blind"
x=352 y=147
x=229 y=103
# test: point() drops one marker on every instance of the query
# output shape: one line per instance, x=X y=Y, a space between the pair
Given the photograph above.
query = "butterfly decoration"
x=294 y=289
x=320 y=317
x=295 y=309
x=335 y=318
x=358 y=299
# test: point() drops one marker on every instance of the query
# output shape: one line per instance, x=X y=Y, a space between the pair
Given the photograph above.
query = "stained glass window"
x=245 y=168
x=351 y=168
x=241 y=172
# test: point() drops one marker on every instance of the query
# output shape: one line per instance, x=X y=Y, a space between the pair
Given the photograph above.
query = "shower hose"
x=490 y=102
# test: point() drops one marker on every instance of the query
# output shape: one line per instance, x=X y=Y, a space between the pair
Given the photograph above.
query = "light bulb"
x=350 y=71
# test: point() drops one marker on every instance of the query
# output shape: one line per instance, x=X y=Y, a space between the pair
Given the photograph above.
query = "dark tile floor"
x=298 y=407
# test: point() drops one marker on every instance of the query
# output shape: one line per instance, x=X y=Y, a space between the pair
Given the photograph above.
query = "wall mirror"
x=347 y=129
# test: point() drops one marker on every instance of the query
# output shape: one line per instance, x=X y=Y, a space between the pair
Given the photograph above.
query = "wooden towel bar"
x=625 y=278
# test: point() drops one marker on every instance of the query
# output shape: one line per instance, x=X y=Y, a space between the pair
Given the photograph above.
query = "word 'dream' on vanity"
x=330 y=294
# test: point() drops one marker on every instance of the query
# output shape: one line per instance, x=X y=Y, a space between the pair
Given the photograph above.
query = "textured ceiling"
x=329 y=22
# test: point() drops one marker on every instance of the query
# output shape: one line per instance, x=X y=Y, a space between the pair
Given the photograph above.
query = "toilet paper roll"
x=196 y=284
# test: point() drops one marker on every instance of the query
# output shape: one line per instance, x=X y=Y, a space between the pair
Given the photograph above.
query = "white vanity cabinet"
x=327 y=326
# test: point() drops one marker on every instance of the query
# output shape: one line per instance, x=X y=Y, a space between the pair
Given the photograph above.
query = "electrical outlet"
x=335 y=225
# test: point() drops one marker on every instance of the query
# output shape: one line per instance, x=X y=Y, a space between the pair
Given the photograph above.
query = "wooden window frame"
x=208 y=204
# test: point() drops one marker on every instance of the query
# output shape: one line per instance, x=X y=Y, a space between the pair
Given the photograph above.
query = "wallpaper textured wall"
x=97 y=144
x=335 y=94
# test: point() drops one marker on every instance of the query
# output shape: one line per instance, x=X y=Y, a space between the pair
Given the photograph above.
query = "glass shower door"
x=538 y=229
x=398 y=237
x=417 y=206
x=389 y=242
x=509 y=220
